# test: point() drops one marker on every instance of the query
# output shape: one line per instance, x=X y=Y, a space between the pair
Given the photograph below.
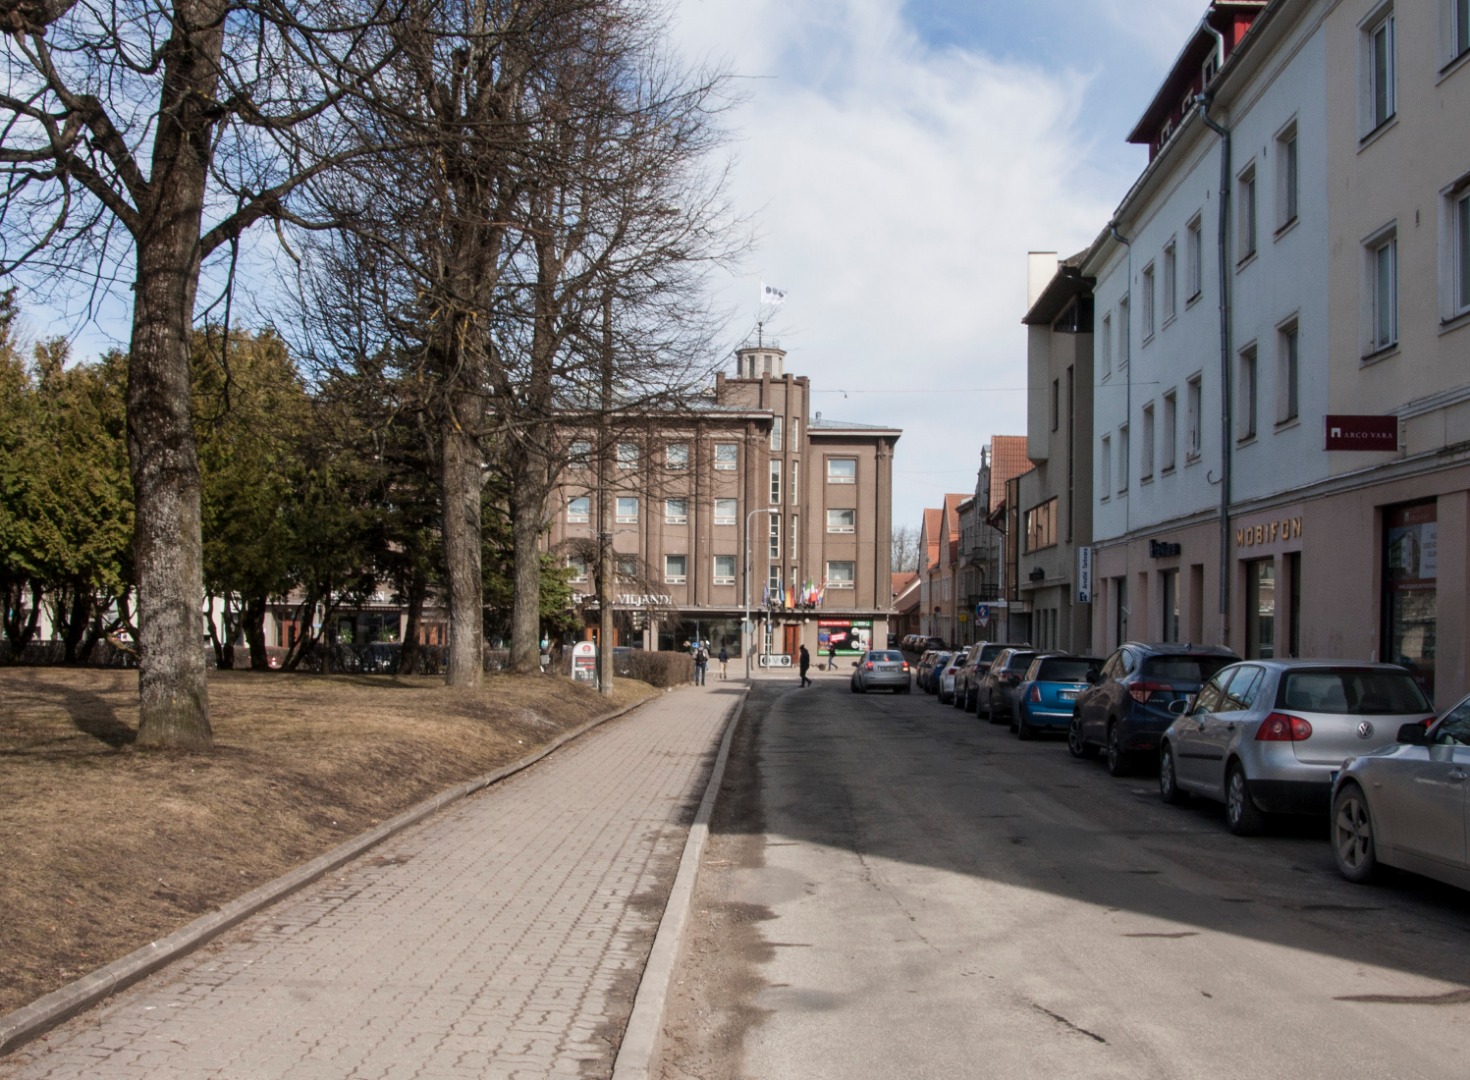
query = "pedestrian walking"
x=724 y=662
x=701 y=663
x=831 y=655
x=805 y=663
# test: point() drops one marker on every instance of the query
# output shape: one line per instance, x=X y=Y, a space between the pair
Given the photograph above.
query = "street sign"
x=775 y=660
x=982 y=612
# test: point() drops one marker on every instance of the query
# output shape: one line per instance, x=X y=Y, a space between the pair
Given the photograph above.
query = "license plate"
x=1068 y=695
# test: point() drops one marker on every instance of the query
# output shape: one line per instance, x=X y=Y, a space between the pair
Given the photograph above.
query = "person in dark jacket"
x=805 y=663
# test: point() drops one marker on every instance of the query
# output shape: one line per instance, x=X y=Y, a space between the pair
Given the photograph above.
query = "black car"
x=998 y=685
x=1126 y=709
x=967 y=681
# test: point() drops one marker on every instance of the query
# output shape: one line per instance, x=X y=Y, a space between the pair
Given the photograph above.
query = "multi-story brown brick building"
x=746 y=476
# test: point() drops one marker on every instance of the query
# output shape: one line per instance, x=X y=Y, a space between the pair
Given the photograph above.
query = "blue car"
x=1048 y=693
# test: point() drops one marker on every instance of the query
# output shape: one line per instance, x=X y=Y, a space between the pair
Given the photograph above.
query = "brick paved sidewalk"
x=501 y=938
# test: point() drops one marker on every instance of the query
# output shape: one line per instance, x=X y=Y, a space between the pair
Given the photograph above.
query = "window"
x=1245 y=394
x=841 y=575
x=775 y=547
x=1169 y=589
x=776 y=433
x=1123 y=459
x=842 y=470
x=841 y=521
x=676 y=511
x=1125 y=347
x=626 y=566
x=1383 y=289
x=580 y=452
x=1458 y=247
x=627 y=510
x=1170 y=431
x=1041 y=526
x=678 y=455
x=676 y=569
x=1245 y=202
x=1286 y=177
x=1148 y=302
x=726 y=511
x=1459 y=37
x=1105 y=463
x=1288 y=373
x=1379 y=72
x=727 y=456
x=1056 y=402
x=1193 y=404
x=724 y=570
x=627 y=455
x=795 y=481
x=1170 y=280
x=579 y=510
x=795 y=540
x=1107 y=345
x=795 y=432
x=773 y=583
x=775 y=481
x=1146 y=448
x=1194 y=258
x=577 y=564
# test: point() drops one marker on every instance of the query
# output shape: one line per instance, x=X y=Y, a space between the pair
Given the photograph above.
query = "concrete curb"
x=638 y=1052
x=26 y=1023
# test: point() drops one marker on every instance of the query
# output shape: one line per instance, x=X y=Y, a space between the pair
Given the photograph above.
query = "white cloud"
x=899 y=189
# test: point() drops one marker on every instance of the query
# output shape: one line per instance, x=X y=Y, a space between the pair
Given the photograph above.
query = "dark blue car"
x=1048 y=692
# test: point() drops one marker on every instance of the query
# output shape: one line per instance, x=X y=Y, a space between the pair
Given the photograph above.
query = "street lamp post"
x=745 y=622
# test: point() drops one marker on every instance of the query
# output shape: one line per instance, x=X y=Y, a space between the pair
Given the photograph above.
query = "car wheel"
x=1024 y=731
x=853 y=687
x=990 y=712
x=972 y=702
x=1169 y=789
x=1078 y=746
x=1352 y=835
x=1242 y=815
x=1118 y=761
x=1012 y=727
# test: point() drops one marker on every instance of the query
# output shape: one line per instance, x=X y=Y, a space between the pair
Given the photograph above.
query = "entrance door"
x=791 y=640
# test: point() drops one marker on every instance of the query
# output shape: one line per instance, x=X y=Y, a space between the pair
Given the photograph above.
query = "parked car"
x=998 y=687
x=967 y=682
x=928 y=662
x=1267 y=736
x=944 y=678
x=1048 y=692
x=881 y=669
x=1126 y=709
x=1405 y=805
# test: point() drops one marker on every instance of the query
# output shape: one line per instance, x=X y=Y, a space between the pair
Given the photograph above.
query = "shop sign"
x=1163 y=549
x=1269 y=532
x=1084 y=575
x=645 y=600
x=852 y=637
x=1362 y=432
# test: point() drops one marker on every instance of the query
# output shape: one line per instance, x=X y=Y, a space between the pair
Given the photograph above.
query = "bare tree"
x=905 y=542
x=156 y=134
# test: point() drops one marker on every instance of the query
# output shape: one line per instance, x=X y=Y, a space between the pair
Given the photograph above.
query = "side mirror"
x=1413 y=734
x=1181 y=706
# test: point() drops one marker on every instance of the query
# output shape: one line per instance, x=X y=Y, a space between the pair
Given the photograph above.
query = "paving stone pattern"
x=501 y=938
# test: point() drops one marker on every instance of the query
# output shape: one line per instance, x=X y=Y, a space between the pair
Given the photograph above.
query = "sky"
x=900 y=160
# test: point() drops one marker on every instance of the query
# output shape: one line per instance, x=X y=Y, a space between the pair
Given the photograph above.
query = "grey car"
x=1406 y=805
x=1267 y=736
x=997 y=691
x=881 y=669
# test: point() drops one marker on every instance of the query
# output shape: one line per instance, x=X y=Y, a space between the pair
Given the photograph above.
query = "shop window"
x=1410 y=583
x=1169 y=590
x=1260 y=609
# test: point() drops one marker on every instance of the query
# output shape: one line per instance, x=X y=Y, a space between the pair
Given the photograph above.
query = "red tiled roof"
x=931 y=537
x=1007 y=460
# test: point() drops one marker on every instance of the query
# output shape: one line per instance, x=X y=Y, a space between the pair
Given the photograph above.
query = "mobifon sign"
x=1362 y=433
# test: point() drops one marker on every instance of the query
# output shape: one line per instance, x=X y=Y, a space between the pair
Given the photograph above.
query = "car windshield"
x=896 y=657
x=1184 y=669
x=1065 y=669
x=1020 y=661
x=1352 y=691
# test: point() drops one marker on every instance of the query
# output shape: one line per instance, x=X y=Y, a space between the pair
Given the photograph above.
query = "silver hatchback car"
x=881 y=669
x=1269 y=736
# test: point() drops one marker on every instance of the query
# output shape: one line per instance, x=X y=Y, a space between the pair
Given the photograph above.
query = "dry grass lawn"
x=104 y=848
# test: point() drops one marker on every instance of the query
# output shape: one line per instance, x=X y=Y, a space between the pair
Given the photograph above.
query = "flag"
x=791 y=596
x=766 y=595
x=772 y=295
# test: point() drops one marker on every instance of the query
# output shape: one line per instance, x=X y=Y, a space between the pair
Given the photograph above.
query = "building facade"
x=747 y=500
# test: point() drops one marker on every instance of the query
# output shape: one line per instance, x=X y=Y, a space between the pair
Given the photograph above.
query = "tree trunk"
x=408 y=653
x=252 y=622
x=462 y=549
x=527 y=508
x=167 y=547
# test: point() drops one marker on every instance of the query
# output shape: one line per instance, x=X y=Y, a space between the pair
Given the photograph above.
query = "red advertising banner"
x=1362 y=432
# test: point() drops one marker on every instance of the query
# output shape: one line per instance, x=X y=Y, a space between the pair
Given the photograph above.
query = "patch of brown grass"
x=104 y=848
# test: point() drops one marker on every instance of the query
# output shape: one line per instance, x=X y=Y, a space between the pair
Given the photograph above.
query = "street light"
x=745 y=622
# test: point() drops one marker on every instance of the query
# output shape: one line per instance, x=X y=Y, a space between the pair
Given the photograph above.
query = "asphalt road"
x=895 y=889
